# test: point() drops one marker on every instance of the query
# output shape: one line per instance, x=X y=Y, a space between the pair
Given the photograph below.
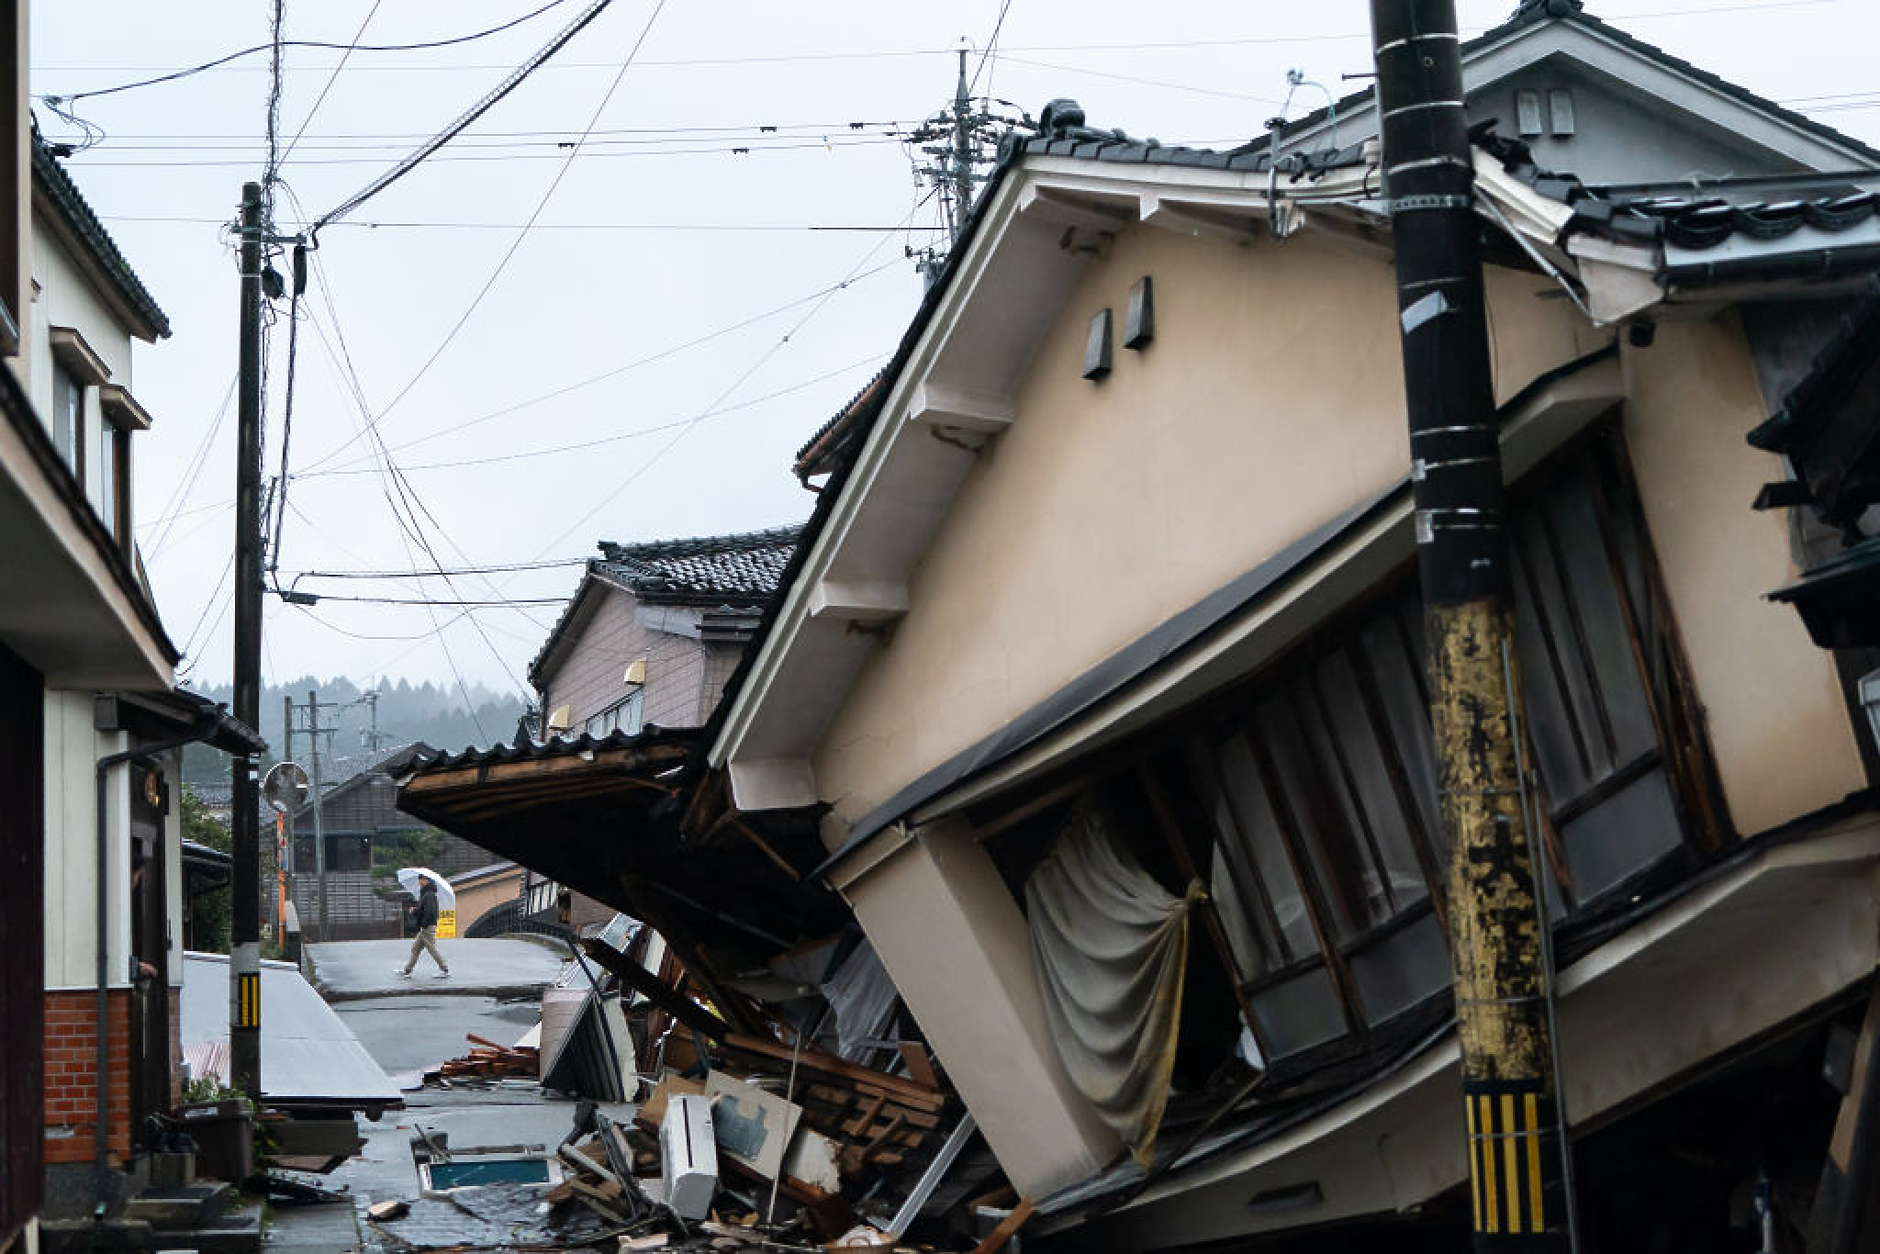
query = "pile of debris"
x=792 y=1110
x=491 y=1061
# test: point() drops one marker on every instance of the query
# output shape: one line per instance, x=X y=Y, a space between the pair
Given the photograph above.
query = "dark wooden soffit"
x=598 y=814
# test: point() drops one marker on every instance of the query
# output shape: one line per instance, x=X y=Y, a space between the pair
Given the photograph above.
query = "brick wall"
x=176 y=1047
x=71 y=1070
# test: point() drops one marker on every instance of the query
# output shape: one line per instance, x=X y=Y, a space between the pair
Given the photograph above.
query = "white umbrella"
x=410 y=876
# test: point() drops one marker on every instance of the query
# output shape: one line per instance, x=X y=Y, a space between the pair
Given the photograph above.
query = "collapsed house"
x=1093 y=692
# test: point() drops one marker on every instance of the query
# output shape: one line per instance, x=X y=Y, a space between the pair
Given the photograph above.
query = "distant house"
x=652 y=634
x=654 y=631
x=364 y=829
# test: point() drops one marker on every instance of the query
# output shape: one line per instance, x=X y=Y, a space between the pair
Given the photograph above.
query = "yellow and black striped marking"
x=1511 y=1153
x=248 y=1007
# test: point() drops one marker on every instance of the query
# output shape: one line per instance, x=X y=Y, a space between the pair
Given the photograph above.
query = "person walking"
x=426 y=939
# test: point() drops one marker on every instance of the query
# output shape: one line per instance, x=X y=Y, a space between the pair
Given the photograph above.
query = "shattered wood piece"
x=875 y=1148
x=560 y=1193
x=651 y=1241
x=600 y=1202
x=933 y=1103
x=384 y=1212
x=474 y=1039
x=997 y=1238
x=829 y=1064
x=857 y=1125
x=580 y=1161
x=919 y=1066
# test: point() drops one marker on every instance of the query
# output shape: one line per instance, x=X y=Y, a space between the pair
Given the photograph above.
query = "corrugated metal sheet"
x=308 y=1054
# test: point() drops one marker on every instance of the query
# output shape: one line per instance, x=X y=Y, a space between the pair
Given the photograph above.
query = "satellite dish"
x=286 y=786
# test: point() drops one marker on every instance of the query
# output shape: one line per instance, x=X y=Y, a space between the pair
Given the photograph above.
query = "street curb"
x=428 y=987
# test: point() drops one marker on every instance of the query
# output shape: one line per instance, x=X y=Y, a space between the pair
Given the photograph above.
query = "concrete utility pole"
x=1509 y=1086
x=244 y=967
x=962 y=151
x=319 y=807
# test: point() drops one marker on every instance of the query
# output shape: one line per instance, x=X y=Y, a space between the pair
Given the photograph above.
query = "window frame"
x=1388 y=614
x=598 y=725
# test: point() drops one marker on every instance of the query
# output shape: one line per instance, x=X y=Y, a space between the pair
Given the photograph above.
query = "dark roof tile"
x=741 y=567
x=50 y=177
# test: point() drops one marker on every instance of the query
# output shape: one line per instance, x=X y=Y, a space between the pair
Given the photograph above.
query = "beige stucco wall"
x=66 y=299
x=1269 y=402
x=72 y=752
x=589 y=678
x=966 y=973
x=488 y=891
x=1783 y=741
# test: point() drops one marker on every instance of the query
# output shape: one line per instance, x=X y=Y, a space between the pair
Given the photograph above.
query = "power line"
x=746 y=149
x=776 y=227
x=457 y=428
x=304 y=43
x=333 y=77
x=882 y=53
x=434 y=601
x=724 y=395
x=616 y=438
x=500 y=568
x=196 y=139
x=502 y=263
x=489 y=101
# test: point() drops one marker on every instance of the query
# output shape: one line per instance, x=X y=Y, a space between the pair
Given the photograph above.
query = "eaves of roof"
x=16 y=409
x=852 y=427
x=842 y=461
x=87 y=232
x=836 y=436
x=433 y=761
x=577 y=606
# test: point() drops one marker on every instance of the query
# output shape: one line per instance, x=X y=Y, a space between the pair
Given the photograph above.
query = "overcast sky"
x=673 y=321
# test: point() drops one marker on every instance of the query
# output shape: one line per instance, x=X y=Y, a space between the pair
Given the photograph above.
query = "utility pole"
x=962 y=151
x=319 y=808
x=1503 y=1020
x=287 y=755
x=373 y=740
x=244 y=968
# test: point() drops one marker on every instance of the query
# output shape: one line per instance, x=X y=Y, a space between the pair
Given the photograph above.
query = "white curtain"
x=1110 y=946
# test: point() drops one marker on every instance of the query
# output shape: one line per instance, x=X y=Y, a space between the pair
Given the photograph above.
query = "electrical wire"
x=746 y=149
x=373 y=421
x=307 y=43
x=991 y=43
x=751 y=227
x=489 y=101
x=448 y=602
x=721 y=398
x=458 y=428
x=870 y=55
x=617 y=437
x=333 y=78
x=499 y=568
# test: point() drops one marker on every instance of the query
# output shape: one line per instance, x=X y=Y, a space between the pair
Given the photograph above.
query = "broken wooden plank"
x=817 y=1060
x=919 y=1066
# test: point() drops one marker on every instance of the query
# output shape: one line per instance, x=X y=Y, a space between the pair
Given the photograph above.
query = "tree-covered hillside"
x=435 y=714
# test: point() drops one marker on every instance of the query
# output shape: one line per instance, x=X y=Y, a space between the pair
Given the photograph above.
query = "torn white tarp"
x=1110 y=946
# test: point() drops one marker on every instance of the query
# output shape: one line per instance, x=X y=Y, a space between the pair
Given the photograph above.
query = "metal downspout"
x=101 y=1137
